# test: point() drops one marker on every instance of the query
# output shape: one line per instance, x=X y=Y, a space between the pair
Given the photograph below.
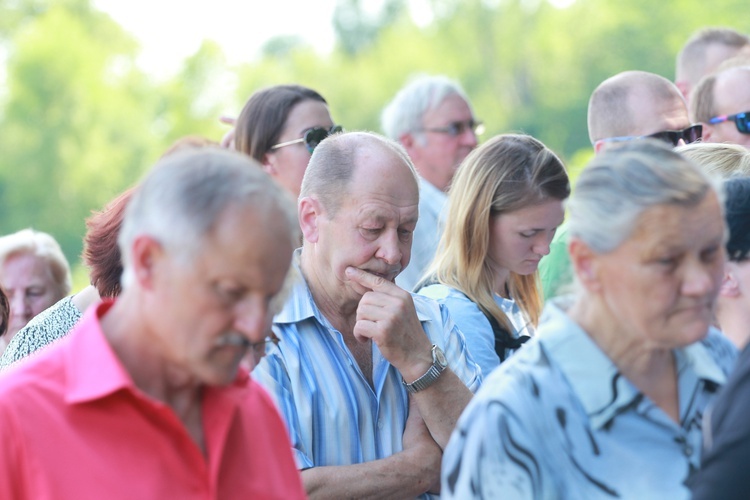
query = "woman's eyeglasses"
x=691 y=134
x=741 y=121
x=312 y=137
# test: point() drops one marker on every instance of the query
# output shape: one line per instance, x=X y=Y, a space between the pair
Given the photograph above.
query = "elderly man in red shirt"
x=145 y=399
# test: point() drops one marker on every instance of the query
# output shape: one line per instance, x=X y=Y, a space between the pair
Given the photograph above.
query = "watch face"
x=440 y=357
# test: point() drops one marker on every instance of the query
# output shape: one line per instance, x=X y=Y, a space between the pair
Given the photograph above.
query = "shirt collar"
x=430 y=193
x=595 y=379
x=94 y=371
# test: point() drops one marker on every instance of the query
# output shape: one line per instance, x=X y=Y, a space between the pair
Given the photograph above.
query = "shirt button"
x=380 y=424
x=688 y=451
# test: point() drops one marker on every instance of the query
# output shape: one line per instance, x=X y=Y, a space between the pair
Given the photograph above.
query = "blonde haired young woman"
x=505 y=203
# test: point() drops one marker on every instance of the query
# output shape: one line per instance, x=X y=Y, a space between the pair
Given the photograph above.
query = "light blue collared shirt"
x=558 y=420
x=474 y=324
x=333 y=415
x=432 y=204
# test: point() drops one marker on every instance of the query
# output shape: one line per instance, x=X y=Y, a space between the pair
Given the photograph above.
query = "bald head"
x=335 y=161
x=724 y=93
x=704 y=52
x=635 y=103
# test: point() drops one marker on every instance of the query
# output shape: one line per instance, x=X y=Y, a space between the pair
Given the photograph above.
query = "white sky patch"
x=169 y=31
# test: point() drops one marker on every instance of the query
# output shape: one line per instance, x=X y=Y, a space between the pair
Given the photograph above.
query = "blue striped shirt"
x=333 y=415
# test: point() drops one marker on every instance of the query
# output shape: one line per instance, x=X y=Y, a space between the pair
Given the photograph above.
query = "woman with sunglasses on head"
x=279 y=127
x=505 y=203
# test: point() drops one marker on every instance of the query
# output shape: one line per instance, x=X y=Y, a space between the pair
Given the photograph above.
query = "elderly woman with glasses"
x=280 y=127
x=607 y=400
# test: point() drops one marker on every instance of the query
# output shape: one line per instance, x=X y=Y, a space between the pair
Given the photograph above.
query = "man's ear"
x=585 y=264
x=730 y=286
x=146 y=252
x=269 y=164
x=309 y=211
x=408 y=141
x=599 y=146
x=708 y=131
x=682 y=85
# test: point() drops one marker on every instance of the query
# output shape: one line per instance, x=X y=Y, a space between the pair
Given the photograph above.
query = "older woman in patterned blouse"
x=607 y=400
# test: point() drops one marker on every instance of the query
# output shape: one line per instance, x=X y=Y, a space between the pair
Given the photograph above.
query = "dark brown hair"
x=262 y=119
x=4 y=312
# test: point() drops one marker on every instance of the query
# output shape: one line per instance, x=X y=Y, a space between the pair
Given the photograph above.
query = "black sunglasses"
x=312 y=137
x=691 y=134
x=741 y=121
x=455 y=129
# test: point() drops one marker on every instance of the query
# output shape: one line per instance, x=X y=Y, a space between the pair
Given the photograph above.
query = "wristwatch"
x=438 y=365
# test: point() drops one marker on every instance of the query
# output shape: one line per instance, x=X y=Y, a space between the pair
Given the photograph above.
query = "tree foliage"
x=79 y=121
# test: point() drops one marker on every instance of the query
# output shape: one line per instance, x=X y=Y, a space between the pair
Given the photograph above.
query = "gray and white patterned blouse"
x=558 y=420
x=52 y=324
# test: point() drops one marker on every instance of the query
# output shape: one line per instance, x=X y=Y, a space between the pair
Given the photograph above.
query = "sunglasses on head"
x=691 y=134
x=454 y=129
x=312 y=137
x=741 y=121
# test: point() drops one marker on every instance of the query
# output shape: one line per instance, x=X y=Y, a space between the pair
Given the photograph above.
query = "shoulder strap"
x=503 y=339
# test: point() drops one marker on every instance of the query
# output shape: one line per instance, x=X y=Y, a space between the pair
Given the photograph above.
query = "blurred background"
x=93 y=91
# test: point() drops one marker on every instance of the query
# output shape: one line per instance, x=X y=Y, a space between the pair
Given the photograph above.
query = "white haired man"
x=432 y=119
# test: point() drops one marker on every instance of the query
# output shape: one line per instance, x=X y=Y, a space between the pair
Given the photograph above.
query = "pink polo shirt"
x=73 y=425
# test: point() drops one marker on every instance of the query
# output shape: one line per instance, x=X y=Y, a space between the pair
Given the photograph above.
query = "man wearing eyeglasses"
x=722 y=103
x=145 y=398
x=628 y=106
x=432 y=118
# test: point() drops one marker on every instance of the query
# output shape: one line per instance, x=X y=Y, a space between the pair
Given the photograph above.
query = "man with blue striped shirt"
x=369 y=378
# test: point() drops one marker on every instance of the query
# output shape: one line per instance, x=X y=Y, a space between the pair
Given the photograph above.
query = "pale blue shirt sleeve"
x=476 y=329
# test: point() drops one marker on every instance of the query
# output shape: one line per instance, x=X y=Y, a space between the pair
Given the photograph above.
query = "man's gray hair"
x=404 y=113
x=623 y=182
x=334 y=161
x=183 y=197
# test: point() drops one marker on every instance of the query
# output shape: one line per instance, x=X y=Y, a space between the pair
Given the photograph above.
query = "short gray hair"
x=42 y=246
x=334 y=161
x=183 y=197
x=623 y=182
x=404 y=113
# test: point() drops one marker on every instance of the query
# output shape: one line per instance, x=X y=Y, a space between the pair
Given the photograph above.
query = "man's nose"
x=252 y=319
x=389 y=249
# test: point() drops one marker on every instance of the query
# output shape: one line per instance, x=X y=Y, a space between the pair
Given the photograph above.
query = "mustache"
x=232 y=339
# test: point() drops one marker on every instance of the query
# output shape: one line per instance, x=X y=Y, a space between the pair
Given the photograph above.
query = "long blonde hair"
x=507 y=173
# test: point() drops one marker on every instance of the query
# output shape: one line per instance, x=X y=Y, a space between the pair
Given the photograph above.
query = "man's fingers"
x=369 y=280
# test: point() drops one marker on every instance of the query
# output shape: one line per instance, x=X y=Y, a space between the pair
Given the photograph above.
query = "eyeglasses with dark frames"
x=691 y=134
x=454 y=129
x=312 y=137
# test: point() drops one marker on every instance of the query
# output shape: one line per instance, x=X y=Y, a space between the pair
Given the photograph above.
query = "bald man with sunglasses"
x=628 y=106
x=433 y=120
x=722 y=103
